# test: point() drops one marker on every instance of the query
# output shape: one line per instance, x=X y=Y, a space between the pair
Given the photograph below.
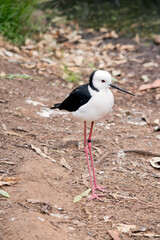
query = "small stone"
x=121 y=154
x=158 y=137
x=156 y=122
x=71 y=228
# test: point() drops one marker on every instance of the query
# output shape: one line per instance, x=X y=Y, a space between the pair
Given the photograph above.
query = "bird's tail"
x=55 y=106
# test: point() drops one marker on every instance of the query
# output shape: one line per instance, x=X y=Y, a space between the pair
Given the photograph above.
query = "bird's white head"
x=100 y=79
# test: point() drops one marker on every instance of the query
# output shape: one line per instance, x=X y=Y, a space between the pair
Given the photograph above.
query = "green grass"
x=126 y=17
x=17 y=76
x=71 y=76
x=15 y=19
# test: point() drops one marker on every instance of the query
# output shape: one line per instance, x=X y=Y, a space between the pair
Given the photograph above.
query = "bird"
x=91 y=102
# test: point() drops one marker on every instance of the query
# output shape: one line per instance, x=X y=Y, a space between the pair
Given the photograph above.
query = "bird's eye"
x=103 y=81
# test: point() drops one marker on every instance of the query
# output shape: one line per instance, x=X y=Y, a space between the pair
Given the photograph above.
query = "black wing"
x=76 y=99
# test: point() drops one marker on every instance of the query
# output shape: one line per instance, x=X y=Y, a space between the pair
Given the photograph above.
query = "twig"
x=21 y=204
x=142 y=152
x=51 y=185
x=137 y=151
x=5 y=162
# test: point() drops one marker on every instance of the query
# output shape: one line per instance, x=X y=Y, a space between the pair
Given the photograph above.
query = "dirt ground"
x=34 y=149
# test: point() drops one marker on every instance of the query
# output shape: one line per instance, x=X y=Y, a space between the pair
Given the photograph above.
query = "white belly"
x=97 y=107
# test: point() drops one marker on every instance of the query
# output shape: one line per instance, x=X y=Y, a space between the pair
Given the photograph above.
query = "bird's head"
x=101 y=79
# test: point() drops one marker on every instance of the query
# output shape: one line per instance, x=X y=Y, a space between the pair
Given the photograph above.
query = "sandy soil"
x=41 y=202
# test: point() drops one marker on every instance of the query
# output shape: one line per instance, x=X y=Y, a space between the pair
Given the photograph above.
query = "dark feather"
x=91 y=81
x=76 y=99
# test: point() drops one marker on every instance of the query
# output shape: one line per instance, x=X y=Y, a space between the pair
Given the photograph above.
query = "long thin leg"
x=94 y=177
x=86 y=152
x=91 y=156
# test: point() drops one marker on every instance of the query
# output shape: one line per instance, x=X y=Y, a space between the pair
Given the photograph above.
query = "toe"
x=96 y=196
x=102 y=189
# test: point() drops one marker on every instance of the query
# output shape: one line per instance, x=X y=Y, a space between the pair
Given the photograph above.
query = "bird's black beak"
x=113 y=86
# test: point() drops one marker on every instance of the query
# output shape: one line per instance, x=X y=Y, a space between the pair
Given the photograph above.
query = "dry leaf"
x=12 y=179
x=155 y=162
x=7 y=162
x=145 y=78
x=150 y=65
x=158 y=137
x=103 y=29
x=150 y=235
x=125 y=227
x=155 y=84
x=2 y=183
x=137 y=39
x=90 y=30
x=2 y=53
x=78 y=60
x=127 y=47
x=91 y=234
x=74 y=38
x=101 y=65
x=114 y=234
x=3 y=74
x=8 y=53
x=156 y=122
x=9 y=180
x=39 y=152
x=58 y=54
x=113 y=34
x=109 y=46
x=157 y=39
x=157 y=96
x=47 y=60
x=12 y=133
x=44 y=207
x=118 y=62
x=65 y=164
x=34 y=201
x=30 y=65
x=107 y=218
x=116 y=196
x=4 y=127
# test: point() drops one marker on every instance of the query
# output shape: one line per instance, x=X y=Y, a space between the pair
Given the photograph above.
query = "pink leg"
x=91 y=156
x=86 y=151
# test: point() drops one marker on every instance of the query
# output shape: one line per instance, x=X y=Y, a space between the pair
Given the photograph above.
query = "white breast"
x=97 y=107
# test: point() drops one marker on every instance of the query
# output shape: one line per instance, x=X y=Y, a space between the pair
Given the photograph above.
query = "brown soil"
x=41 y=202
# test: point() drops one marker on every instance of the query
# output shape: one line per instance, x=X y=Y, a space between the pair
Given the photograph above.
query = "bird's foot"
x=96 y=196
x=102 y=189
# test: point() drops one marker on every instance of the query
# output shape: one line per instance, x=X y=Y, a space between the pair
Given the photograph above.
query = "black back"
x=78 y=97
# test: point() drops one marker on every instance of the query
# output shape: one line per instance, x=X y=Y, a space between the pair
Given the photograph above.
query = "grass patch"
x=18 y=21
x=70 y=76
x=15 y=19
x=17 y=76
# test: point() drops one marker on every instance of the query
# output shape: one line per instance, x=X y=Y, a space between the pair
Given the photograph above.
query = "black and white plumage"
x=76 y=99
x=91 y=102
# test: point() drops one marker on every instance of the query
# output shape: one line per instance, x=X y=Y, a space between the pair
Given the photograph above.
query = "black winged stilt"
x=91 y=102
